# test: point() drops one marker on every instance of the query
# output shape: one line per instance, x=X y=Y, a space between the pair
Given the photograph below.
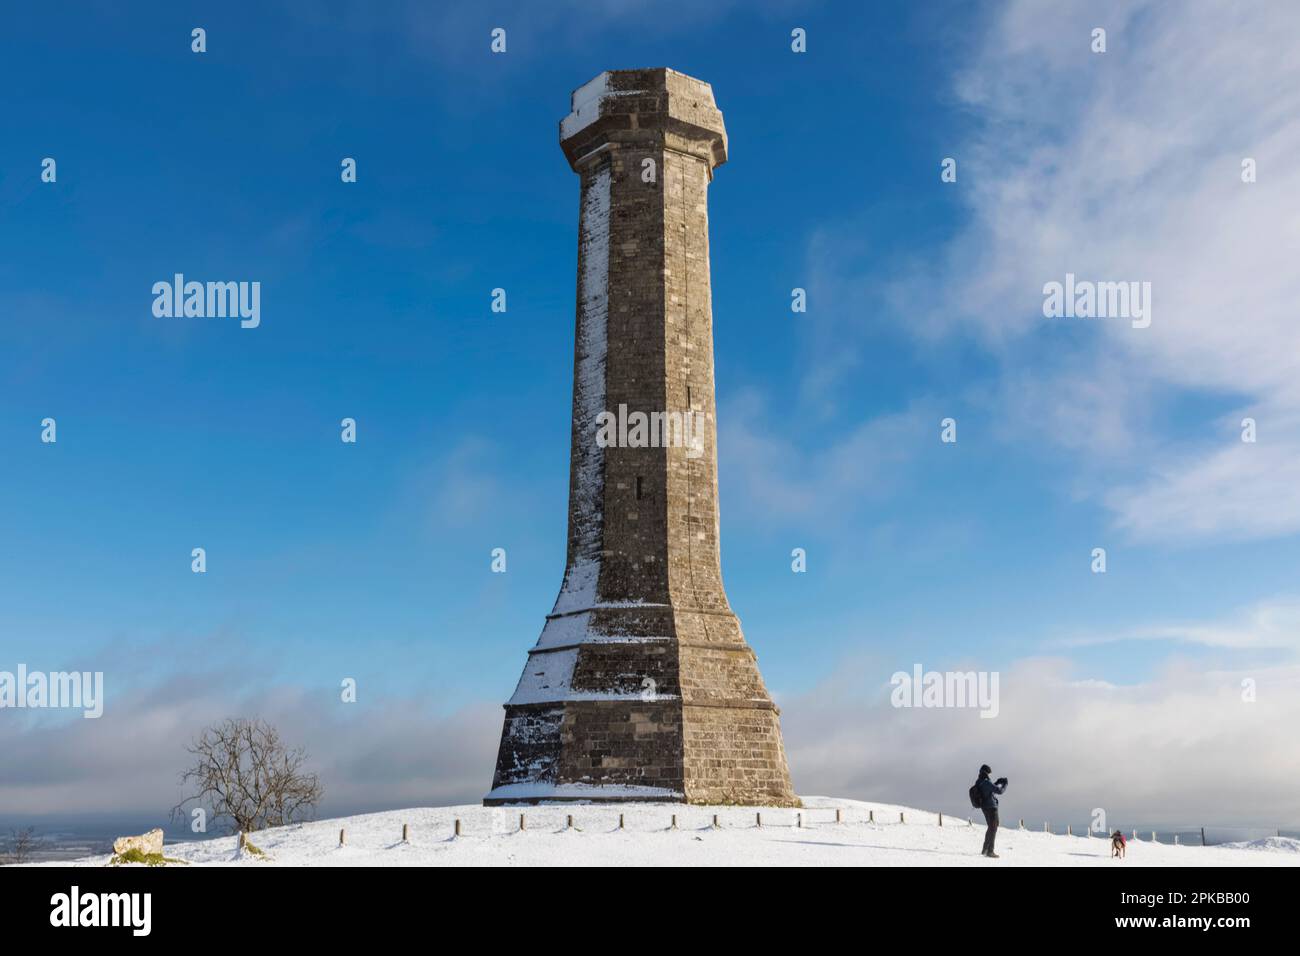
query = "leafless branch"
x=248 y=777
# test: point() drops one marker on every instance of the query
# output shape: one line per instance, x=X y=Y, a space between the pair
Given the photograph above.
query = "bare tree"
x=248 y=777
x=23 y=845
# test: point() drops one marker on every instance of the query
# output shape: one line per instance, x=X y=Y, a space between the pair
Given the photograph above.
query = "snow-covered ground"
x=490 y=836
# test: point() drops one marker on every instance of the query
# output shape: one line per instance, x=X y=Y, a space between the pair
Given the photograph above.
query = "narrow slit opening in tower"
x=639 y=487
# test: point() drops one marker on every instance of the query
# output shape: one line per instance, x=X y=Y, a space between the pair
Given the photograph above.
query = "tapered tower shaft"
x=641 y=685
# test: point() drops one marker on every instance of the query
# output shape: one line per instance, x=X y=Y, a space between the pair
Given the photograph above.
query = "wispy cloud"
x=1124 y=166
x=1266 y=625
x=467 y=486
x=1227 y=489
x=1178 y=749
x=786 y=472
x=399 y=751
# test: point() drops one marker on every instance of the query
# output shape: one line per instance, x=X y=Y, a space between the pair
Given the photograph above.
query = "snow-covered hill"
x=490 y=836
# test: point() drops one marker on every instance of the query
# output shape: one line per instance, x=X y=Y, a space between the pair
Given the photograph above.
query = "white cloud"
x=1182 y=748
x=400 y=752
x=1126 y=166
x=1227 y=489
x=1268 y=624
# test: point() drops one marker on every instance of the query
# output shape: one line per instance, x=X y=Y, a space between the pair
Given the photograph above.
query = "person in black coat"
x=988 y=791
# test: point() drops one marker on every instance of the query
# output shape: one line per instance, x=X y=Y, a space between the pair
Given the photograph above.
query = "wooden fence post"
x=620 y=821
x=406 y=833
x=758 y=819
x=941 y=819
x=674 y=823
x=568 y=821
x=522 y=823
x=457 y=826
x=1022 y=823
x=1202 y=836
x=343 y=837
x=900 y=817
x=839 y=819
x=871 y=816
x=715 y=822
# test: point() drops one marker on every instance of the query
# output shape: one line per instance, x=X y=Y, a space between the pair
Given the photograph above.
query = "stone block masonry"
x=641 y=686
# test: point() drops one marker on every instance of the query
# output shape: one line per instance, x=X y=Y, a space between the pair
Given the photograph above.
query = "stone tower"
x=641 y=685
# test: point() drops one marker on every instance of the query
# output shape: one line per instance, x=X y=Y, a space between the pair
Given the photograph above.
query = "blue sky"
x=371 y=561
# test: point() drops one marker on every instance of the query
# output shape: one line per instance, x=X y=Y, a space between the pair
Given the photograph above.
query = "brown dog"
x=1117 y=845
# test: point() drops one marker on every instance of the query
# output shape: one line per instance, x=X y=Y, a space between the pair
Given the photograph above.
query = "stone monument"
x=641 y=685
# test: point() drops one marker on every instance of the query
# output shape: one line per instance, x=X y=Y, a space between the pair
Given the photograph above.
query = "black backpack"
x=975 y=800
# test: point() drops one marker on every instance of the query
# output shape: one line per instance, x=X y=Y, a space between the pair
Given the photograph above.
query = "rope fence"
x=593 y=820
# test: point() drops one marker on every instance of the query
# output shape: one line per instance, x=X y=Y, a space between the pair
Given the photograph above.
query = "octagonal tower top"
x=657 y=106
